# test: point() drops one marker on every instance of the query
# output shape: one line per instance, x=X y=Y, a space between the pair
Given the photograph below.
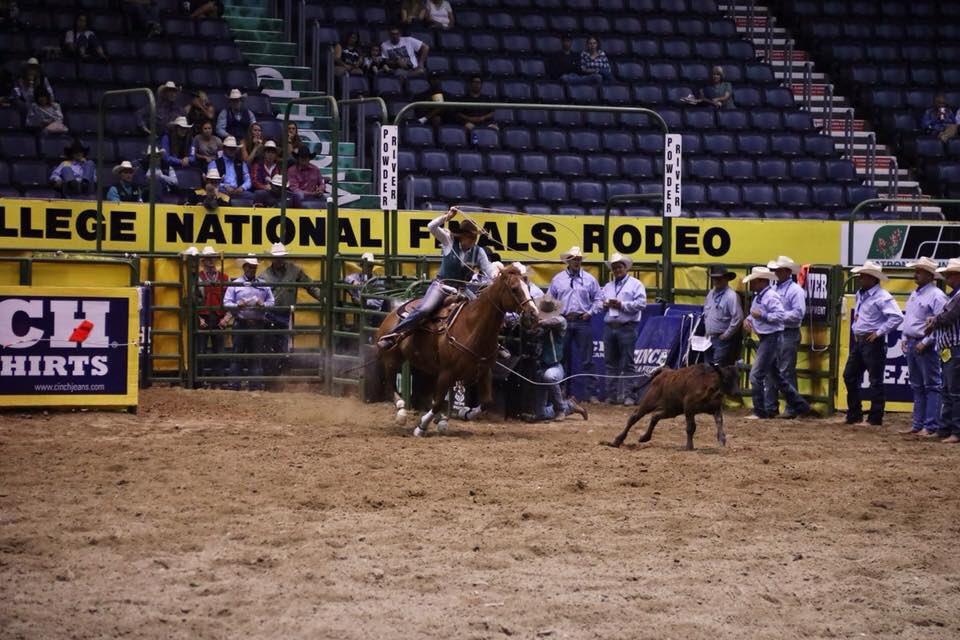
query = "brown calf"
x=696 y=389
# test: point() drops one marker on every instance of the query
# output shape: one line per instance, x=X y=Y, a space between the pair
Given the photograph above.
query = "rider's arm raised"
x=437 y=229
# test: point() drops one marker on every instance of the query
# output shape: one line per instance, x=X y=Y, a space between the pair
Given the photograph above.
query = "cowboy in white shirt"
x=624 y=299
x=794 y=300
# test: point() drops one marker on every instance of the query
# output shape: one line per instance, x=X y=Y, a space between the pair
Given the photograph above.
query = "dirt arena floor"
x=226 y=515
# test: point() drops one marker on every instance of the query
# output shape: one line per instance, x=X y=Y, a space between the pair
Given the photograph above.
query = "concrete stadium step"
x=256 y=35
x=355 y=187
x=269 y=59
x=289 y=72
x=285 y=85
x=318 y=111
x=247 y=23
x=323 y=147
x=761 y=42
x=348 y=163
x=267 y=47
x=355 y=201
x=885 y=184
x=840 y=124
x=815 y=76
x=245 y=11
x=349 y=175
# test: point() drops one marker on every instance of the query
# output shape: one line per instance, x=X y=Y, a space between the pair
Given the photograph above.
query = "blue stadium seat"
x=721 y=144
x=788 y=145
x=585 y=141
x=500 y=67
x=617 y=142
x=551 y=140
x=28 y=174
x=582 y=94
x=758 y=194
x=435 y=162
x=819 y=145
x=778 y=98
x=676 y=48
x=723 y=194
x=519 y=190
x=806 y=170
x=600 y=120
x=418 y=136
x=530 y=67
x=484 y=42
x=587 y=192
x=739 y=169
x=662 y=72
x=779 y=214
x=620 y=188
x=421 y=187
x=451 y=136
x=840 y=170
x=534 y=164
x=643 y=48
x=766 y=120
x=517 y=138
x=387 y=86
x=553 y=191
x=747 y=97
x=533 y=117
x=704 y=168
x=856 y=193
x=571 y=210
x=616 y=94
x=485 y=190
x=693 y=194
x=451 y=188
x=758 y=73
x=631 y=71
x=828 y=196
x=732 y=120
x=753 y=144
x=407 y=161
x=638 y=167
x=468 y=163
x=502 y=163
x=703 y=119
x=798 y=121
x=708 y=49
x=468 y=65
x=568 y=165
x=549 y=92
x=486 y=138
x=452 y=41
x=602 y=166
x=793 y=195
x=645 y=95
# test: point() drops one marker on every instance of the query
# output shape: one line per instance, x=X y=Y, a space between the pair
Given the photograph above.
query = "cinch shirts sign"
x=68 y=346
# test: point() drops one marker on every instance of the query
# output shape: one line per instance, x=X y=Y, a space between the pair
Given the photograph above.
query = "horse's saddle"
x=441 y=318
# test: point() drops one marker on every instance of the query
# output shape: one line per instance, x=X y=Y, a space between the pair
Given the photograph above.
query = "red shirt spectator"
x=267 y=167
x=304 y=178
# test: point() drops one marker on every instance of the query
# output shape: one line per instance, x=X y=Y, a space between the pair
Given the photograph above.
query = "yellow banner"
x=72 y=226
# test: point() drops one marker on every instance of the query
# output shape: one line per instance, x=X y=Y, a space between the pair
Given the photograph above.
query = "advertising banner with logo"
x=68 y=346
x=894 y=244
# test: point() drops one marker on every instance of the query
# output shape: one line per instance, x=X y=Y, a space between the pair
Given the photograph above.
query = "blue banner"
x=658 y=345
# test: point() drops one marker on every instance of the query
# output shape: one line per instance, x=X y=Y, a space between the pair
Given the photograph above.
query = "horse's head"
x=514 y=294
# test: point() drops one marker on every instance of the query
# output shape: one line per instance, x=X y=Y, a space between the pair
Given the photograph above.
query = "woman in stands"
x=206 y=146
x=411 y=10
x=44 y=114
x=594 y=60
x=438 y=14
x=252 y=146
x=347 y=57
x=177 y=144
x=82 y=42
x=31 y=77
x=293 y=140
x=200 y=110
x=719 y=93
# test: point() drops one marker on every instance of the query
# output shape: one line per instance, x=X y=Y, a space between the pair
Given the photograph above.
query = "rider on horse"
x=462 y=258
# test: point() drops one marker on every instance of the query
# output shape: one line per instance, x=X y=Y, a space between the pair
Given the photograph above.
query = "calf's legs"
x=691 y=429
x=721 y=436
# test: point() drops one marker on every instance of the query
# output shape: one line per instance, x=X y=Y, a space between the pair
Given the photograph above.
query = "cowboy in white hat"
x=210 y=194
x=211 y=315
x=923 y=360
x=944 y=327
x=247 y=301
x=169 y=105
x=722 y=318
x=286 y=278
x=766 y=320
x=236 y=119
x=125 y=190
x=579 y=296
x=875 y=315
x=624 y=299
x=358 y=279
x=234 y=172
x=794 y=300
x=267 y=167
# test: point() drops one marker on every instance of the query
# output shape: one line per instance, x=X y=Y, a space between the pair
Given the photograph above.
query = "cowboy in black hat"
x=304 y=179
x=722 y=318
x=462 y=258
x=76 y=174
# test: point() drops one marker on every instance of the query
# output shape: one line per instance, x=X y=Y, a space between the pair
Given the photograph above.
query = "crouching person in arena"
x=247 y=302
x=548 y=398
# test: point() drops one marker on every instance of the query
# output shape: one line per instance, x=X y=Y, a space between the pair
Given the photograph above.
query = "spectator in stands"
x=44 y=114
x=31 y=78
x=434 y=93
x=405 y=55
x=294 y=141
x=284 y=271
x=347 y=57
x=235 y=172
x=624 y=299
x=374 y=62
x=211 y=194
x=252 y=146
x=950 y=131
x=937 y=118
x=165 y=172
x=476 y=116
x=10 y=14
x=718 y=93
x=236 y=119
x=593 y=61
x=125 y=190
x=209 y=293
x=168 y=106
x=206 y=146
x=247 y=303
x=359 y=279
x=202 y=8
x=410 y=11
x=565 y=65
x=200 y=110
x=82 y=42
x=143 y=15
x=264 y=169
x=438 y=14
x=579 y=296
x=722 y=317
x=304 y=178
x=76 y=174
x=270 y=197
x=177 y=143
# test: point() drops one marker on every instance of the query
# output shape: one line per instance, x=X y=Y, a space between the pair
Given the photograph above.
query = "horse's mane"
x=499 y=281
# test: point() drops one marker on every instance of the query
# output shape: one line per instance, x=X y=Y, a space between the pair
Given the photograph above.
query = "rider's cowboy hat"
x=467 y=227
x=624 y=260
x=123 y=166
x=784 y=262
x=758 y=273
x=719 y=271
x=574 y=252
x=926 y=264
x=870 y=268
x=953 y=266
x=278 y=250
x=548 y=307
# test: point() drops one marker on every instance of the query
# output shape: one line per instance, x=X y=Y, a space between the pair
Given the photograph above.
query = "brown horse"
x=465 y=350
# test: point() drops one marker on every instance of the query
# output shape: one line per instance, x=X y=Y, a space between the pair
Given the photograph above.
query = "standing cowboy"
x=876 y=314
x=722 y=315
x=766 y=320
x=283 y=271
x=461 y=260
x=247 y=302
x=579 y=296
x=945 y=327
x=923 y=360
x=784 y=369
x=210 y=293
x=624 y=298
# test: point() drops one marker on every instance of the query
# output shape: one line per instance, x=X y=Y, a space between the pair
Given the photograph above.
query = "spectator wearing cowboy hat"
x=236 y=119
x=166 y=174
x=76 y=174
x=923 y=359
x=579 y=296
x=547 y=335
x=210 y=293
x=247 y=301
x=784 y=369
x=211 y=195
x=462 y=257
x=945 y=328
x=305 y=180
x=125 y=190
x=722 y=318
x=875 y=315
x=292 y=278
x=766 y=320
x=359 y=279
x=271 y=197
x=31 y=78
x=624 y=299
x=234 y=171
x=169 y=107
x=266 y=167
x=177 y=143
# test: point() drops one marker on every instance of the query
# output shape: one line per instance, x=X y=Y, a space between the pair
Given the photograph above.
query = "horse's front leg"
x=485 y=389
x=440 y=389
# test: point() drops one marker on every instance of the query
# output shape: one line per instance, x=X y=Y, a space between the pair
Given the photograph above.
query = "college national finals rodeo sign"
x=68 y=346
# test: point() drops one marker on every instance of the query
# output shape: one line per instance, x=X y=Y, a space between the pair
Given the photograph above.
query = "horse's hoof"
x=418 y=432
x=400 y=404
x=402 y=415
x=442 y=426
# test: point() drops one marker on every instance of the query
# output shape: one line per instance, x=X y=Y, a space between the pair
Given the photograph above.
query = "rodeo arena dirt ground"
x=293 y=515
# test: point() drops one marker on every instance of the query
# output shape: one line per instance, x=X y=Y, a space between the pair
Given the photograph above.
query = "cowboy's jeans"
x=783 y=372
x=578 y=356
x=870 y=357
x=618 y=346
x=926 y=384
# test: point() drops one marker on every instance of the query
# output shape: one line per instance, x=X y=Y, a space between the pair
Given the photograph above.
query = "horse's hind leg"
x=440 y=389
